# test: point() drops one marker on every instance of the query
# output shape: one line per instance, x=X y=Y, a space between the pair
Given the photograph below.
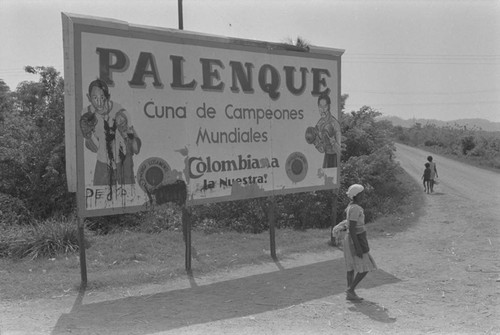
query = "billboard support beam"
x=334 y=207
x=81 y=245
x=334 y=216
x=272 y=231
x=186 y=230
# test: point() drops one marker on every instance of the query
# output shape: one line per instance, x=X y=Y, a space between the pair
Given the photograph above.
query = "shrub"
x=247 y=216
x=433 y=143
x=305 y=210
x=103 y=225
x=377 y=172
x=32 y=164
x=41 y=239
x=13 y=211
x=159 y=219
x=467 y=143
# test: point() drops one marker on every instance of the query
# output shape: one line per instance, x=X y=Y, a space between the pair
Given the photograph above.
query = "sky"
x=412 y=59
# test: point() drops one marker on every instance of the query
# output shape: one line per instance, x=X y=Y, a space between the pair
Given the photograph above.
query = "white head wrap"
x=354 y=190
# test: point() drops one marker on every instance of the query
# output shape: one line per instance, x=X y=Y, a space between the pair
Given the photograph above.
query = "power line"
x=451 y=59
x=426 y=93
x=428 y=103
x=422 y=62
x=395 y=55
x=12 y=72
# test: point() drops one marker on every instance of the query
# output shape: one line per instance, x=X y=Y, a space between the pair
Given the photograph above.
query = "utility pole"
x=179 y=6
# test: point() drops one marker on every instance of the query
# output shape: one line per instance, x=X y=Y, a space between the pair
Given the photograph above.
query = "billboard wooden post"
x=334 y=215
x=186 y=229
x=334 y=207
x=81 y=245
x=272 y=232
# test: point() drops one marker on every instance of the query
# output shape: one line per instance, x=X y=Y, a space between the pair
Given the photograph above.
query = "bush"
x=32 y=164
x=305 y=210
x=298 y=211
x=13 y=211
x=467 y=144
x=248 y=216
x=159 y=219
x=103 y=225
x=433 y=143
x=377 y=172
x=41 y=239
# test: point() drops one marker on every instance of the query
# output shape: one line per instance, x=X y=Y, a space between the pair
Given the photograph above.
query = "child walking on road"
x=427 y=178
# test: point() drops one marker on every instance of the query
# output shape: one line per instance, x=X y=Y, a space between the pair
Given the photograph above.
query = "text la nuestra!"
x=229 y=182
x=269 y=77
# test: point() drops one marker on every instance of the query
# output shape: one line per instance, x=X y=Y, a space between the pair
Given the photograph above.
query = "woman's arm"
x=354 y=237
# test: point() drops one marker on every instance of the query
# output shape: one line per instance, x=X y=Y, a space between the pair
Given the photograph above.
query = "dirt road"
x=441 y=276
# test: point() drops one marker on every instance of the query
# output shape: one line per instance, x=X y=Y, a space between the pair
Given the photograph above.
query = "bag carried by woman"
x=363 y=242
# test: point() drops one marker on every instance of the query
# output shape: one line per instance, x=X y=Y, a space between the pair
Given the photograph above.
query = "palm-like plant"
x=298 y=44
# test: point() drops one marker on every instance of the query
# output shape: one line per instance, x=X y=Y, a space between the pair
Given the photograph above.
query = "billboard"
x=155 y=115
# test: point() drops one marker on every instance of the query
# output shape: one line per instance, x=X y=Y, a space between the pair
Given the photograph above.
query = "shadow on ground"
x=373 y=310
x=222 y=300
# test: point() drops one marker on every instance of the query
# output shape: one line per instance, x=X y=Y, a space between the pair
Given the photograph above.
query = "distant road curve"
x=455 y=178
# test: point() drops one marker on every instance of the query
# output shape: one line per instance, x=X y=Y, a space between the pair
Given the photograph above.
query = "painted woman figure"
x=434 y=172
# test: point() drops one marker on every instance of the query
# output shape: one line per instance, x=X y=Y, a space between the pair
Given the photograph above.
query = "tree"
x=5 y=100
x=362 y=134
x=32 y=150
x=29 y=96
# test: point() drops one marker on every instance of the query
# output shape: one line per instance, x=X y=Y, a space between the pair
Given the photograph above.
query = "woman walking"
x=434 y=172
x=356 y=250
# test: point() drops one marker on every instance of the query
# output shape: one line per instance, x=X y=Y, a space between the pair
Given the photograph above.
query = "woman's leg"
x=351 y=294
x=359 y=277
x=350 y=278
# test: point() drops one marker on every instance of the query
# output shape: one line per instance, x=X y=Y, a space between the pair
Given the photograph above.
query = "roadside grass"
x=410 y=208
x=126 y=259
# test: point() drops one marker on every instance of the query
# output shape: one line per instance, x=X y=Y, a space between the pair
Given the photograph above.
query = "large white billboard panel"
x=150 y=110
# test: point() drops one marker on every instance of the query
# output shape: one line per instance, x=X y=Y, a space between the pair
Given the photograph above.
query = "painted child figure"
x=129 y=144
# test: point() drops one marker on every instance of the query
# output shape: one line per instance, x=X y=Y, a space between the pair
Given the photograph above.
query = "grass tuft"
x=41 y=239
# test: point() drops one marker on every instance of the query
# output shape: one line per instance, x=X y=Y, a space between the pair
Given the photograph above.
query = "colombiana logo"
x=296 y=166
x=152 y=173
